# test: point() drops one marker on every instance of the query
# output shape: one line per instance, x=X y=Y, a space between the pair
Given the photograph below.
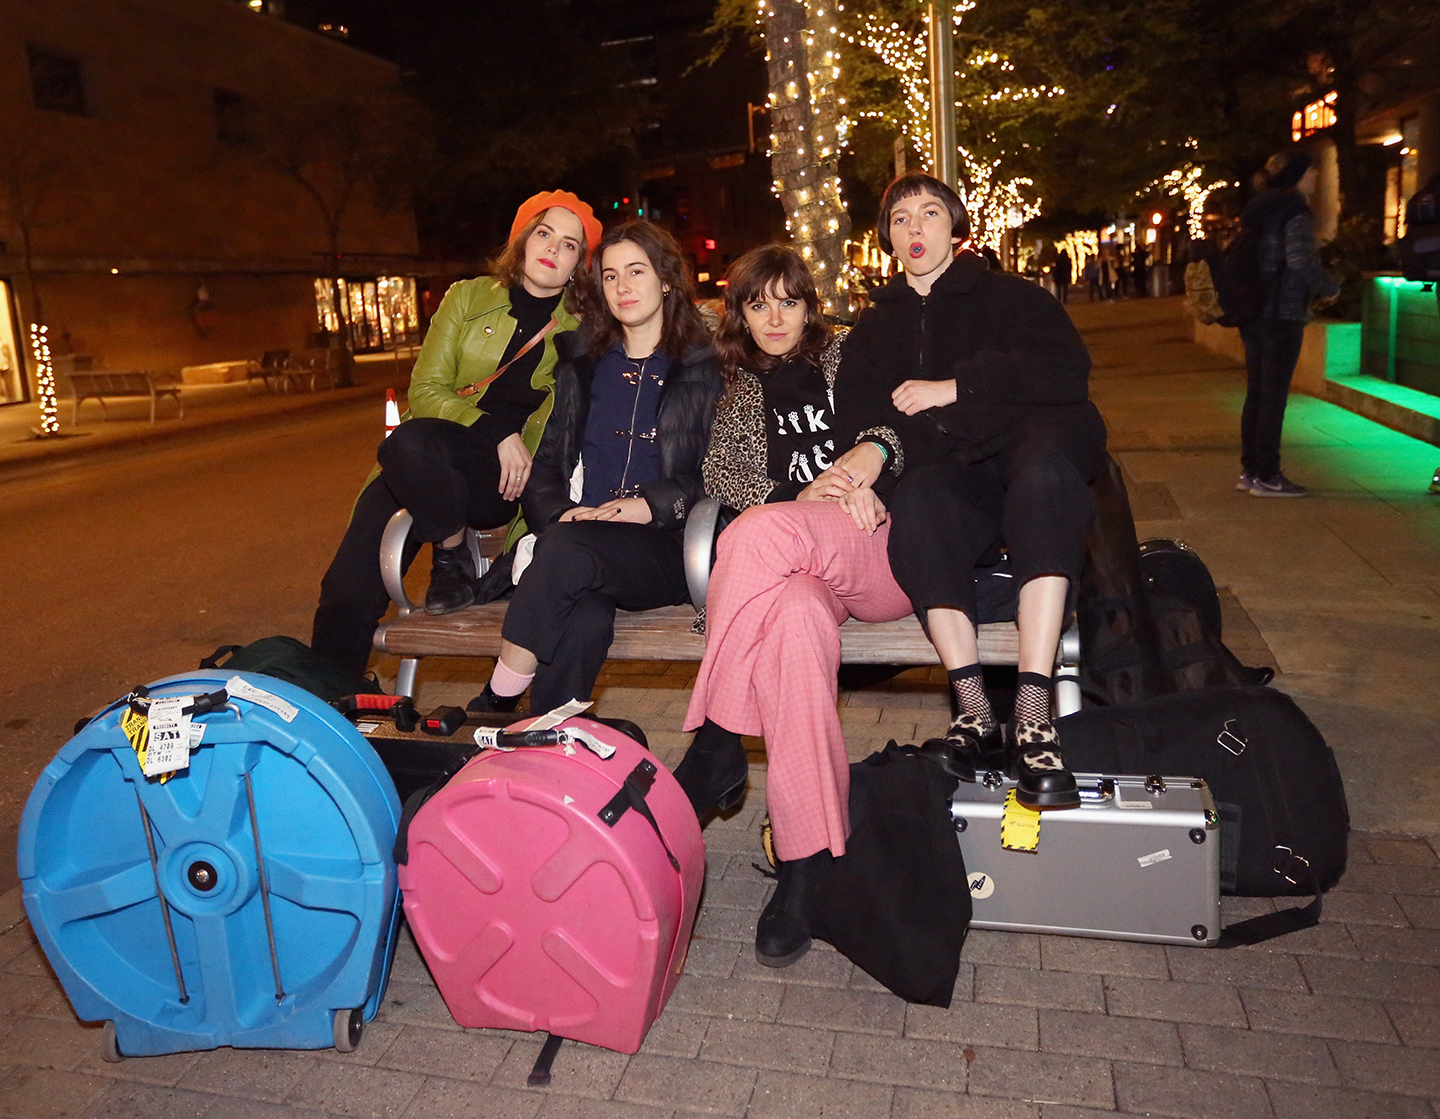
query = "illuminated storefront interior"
x=381 y=313
x=13 y=389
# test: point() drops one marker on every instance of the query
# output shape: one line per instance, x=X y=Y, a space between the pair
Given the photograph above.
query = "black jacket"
x=687 y=406
x=1007 y=343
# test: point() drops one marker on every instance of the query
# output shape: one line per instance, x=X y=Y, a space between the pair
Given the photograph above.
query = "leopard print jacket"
x=734 y=468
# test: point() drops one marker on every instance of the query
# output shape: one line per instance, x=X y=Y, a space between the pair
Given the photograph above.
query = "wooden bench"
x=135 y=383
x=666 y=634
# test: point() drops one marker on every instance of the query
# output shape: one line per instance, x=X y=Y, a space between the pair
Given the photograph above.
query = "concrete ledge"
x=1406 y=410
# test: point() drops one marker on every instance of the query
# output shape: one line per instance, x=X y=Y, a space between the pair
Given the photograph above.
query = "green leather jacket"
x=465 y=342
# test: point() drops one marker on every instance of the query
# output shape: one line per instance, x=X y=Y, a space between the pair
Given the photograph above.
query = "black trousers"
x=564 y=606
x=448 y=476
x=1272 y=347
x=1033 y=498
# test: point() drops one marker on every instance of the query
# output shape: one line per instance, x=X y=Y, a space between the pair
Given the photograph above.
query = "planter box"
x=1330 y=349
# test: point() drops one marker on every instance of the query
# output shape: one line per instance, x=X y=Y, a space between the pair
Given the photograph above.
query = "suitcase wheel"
x=108 y=1046
x=349 y=1025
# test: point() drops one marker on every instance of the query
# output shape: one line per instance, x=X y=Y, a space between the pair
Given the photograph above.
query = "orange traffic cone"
x=392 y=412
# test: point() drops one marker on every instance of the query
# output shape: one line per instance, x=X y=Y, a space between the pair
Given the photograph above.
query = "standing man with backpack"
x=1271 y=308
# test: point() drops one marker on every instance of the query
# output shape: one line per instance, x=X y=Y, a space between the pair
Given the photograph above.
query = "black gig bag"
x=1275 y=782
x=898 y=903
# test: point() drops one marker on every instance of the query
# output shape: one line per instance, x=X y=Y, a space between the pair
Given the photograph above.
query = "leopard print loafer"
x=1038 y=767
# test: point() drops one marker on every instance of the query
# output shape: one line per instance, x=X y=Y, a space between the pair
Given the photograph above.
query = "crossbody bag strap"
x=472 y=389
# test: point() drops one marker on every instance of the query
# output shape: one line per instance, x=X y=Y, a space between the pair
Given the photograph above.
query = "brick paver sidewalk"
x=1341 y=1020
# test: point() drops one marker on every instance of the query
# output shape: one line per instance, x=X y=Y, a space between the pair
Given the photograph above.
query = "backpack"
x=1275 y=781
x=1200 y=294
x=1239 y=285
x=292 y=661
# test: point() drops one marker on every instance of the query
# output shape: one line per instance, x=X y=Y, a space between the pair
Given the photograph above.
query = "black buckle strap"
x=1296 y=870
x=632 y=795
x=540 y=1073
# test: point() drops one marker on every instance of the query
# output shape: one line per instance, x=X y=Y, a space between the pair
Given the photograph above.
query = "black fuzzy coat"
x=687 y=407
x=1008 y=344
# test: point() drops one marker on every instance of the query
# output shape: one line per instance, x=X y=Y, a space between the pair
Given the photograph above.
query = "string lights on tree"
x=996 y=202
x=808 y=129
x=45 y=380
x=1185 y=182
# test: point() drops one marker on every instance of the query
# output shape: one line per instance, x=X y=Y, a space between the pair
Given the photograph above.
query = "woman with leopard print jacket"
x=806 y=554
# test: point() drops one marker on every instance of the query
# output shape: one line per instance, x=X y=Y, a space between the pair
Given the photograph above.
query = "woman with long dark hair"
x=479 y=399
x=616 y=473
x=788 y=574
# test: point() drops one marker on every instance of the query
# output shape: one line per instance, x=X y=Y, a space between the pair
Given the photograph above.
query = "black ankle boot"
x=488 y=701
x=782 y=935
x=1042 y=781
x=714 y=770
x=452 y=580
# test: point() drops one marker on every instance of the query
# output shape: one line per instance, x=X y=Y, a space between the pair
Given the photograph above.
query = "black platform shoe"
x=1038 y=767
x=714 y=770
x=981 y=747
x=488 y=702
x=782 y=935
x=452 y=580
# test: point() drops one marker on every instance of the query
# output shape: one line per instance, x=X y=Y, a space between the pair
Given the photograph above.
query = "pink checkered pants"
x=787 y=577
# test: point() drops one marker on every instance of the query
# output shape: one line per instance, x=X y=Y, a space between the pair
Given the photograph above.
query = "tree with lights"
x=807 y=131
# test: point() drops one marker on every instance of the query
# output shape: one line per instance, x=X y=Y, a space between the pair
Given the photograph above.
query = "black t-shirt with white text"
x=799 y=415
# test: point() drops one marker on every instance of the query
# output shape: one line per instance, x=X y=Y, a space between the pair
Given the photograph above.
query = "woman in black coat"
x=989 y=441
x=616 y=473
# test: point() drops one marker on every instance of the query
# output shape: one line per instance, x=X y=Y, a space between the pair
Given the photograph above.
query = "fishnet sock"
x=967 y=695
x=1032 y=697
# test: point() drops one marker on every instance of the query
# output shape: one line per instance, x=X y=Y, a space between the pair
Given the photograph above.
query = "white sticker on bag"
x=1152 y=859
x=602 y=749
x=981 y=885
x=242 y=689
x=197 y=733
x=169 y=748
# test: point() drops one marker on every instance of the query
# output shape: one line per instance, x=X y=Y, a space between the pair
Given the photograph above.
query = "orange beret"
x=538 y=203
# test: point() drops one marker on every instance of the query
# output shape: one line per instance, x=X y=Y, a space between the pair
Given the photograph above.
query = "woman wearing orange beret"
x=480 y=395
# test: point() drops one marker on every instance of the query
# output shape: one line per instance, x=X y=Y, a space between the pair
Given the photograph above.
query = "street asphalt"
x=134 y=557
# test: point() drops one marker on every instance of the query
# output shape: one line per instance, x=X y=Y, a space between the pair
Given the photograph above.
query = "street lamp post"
x=942 y=93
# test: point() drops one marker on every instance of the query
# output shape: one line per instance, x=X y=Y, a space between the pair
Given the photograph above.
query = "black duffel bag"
x=1274 y=779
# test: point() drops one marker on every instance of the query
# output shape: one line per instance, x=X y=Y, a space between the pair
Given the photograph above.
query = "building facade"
x=176 y=175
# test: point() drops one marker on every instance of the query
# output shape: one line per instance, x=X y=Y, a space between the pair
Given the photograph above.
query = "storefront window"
x=13 y=388
x=382 y=312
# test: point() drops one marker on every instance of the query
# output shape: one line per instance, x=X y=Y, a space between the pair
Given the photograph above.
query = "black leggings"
x=564 y=606
x=448 y=476
x=1033 y=498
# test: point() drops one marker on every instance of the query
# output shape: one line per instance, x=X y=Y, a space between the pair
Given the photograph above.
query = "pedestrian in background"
x=1092 y=278
x=1064 y=271
x=1280 y=220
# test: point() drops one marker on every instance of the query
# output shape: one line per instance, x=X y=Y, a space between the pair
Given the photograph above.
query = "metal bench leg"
x=405 y=678
x=1067 y=673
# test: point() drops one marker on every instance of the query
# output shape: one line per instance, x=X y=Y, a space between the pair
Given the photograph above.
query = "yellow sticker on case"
x=136 y=728
x=1019 y=826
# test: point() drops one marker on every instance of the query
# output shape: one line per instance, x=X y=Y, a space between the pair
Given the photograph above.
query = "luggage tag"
x=1019 y=826
x=163 y=735
x=543 y=732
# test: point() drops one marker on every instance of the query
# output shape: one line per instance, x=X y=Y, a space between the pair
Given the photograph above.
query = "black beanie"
x=1296 y=166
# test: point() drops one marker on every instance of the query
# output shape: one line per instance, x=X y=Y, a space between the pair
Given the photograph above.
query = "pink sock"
x=507 y=682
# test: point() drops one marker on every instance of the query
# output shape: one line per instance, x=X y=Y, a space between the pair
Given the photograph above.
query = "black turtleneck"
x=509 y=398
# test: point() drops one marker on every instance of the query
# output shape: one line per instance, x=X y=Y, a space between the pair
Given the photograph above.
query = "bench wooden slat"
x=664 y=634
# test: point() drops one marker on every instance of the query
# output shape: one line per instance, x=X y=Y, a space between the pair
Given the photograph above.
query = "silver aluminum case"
x=1125 y=865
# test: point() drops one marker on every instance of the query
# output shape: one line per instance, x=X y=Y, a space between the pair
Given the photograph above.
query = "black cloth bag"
x=898 y=903
x=1275 y=782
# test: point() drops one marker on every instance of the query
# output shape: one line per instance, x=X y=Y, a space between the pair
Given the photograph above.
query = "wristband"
x=884 y=451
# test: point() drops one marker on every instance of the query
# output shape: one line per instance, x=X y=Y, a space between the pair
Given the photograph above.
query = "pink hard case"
x=532 y=913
